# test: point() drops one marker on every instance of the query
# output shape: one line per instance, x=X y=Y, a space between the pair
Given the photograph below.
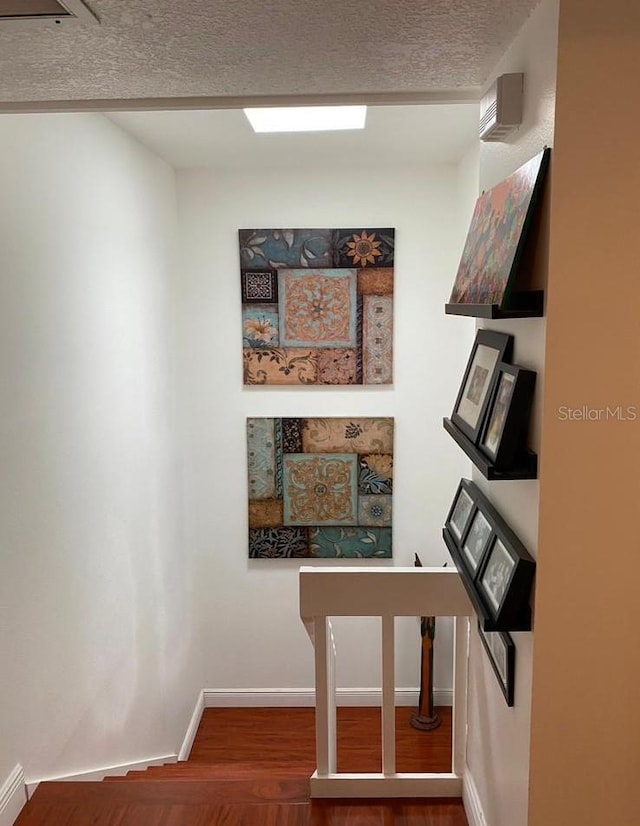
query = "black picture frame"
x=499 y=582
x=461 y=511
x=501 y=651
x=476 y=541
x=506 y=425
x=489 y=350
x=498 y=569
x=505 y=578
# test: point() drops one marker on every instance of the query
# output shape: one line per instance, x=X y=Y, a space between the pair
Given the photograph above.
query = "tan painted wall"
x=585 y=741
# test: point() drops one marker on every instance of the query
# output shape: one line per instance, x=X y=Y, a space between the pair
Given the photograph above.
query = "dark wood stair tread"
x=255 y=790
x=171 y=790
x=180 y=803
x=151 y=804
x=231 y=773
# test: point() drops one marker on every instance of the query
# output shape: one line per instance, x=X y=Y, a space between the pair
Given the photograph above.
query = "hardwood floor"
x=251 y=767
x=276 y=739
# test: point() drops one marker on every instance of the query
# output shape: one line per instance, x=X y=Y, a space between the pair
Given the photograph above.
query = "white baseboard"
x=298 y=697
x=13 y=796
x=190 y=736
x=471 y=800
x=106 y=771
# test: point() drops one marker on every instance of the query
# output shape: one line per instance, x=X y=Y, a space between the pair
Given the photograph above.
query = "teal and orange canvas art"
x=317 y=305
x=320 y=487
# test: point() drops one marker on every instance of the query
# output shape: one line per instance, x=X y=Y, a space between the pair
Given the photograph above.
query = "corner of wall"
x=192 y=730
x=471 y=800
x=13 y=796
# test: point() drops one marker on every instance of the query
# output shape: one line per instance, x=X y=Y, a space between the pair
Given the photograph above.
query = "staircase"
x=251 y=767
x=257 y=767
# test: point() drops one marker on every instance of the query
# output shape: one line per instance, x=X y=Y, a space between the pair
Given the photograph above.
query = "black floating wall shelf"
x=525 y=465
x=495 y=567
x=517 y=622
x=528 y=304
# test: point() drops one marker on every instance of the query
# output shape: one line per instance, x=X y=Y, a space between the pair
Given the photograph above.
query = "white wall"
x=498 y=744
x=97 y=662
x=249 y=609
x=468 y=190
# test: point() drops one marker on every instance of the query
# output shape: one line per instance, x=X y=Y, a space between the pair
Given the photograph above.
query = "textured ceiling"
x=238 y=48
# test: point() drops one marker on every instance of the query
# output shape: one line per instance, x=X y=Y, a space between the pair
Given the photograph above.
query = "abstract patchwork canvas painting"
x=317 y=305
x=320 y=487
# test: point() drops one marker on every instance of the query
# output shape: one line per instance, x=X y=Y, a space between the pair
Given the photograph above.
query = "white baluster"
x=460 y=669
x=388 y=696
x=325 y=697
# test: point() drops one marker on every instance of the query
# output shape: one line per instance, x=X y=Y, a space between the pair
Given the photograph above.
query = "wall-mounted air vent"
x=501 y=108
x=45 y=11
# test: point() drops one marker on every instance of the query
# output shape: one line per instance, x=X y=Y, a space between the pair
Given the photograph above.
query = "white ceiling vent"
x=52 y=12
x=501 y=108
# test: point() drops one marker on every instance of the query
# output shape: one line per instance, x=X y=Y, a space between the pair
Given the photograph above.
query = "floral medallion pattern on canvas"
x=318 y=308
x=317 y=305
x=320 y=487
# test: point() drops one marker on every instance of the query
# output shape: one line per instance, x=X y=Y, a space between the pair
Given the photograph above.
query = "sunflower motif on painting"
x=364 y=249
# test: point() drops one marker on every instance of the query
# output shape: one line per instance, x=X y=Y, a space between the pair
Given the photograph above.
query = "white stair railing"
x=386 y=593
